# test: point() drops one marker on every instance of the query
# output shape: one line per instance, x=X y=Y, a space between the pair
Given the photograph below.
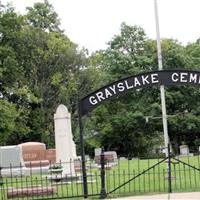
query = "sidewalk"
x=172 y=196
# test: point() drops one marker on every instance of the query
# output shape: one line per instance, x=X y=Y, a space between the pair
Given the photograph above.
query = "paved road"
x=173 y=196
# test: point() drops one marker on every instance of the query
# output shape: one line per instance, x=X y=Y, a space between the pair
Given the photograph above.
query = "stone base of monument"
x=36 y=170
x=59 y=179
x=37 y=163
x=63 y=179
x=14 y=172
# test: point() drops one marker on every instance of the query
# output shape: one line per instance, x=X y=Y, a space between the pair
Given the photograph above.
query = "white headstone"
x=184 y=150
x=97 y=151
x=11 y=161
x=65 y=146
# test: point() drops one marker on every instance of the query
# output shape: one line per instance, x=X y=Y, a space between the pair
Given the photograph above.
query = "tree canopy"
x=40 y=68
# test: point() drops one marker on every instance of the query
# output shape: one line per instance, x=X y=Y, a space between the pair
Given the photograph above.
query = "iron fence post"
x=85 y=188
x=1 y=178
x=103 y=193
x=1 y=184
x=169 y=170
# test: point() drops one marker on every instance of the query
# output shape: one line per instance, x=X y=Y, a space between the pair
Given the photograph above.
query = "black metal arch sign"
x=117 y=88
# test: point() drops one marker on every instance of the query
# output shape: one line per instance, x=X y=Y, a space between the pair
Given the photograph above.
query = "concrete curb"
x=172 y=196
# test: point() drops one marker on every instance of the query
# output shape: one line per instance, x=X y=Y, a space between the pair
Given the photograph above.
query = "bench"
x=31 y=191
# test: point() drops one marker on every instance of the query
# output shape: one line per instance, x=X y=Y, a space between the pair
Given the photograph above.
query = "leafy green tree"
x=182 y=102
x=39 y=69
x=43 y=16
x=126 y=52
x=121 y=123
x=8 y=115
x=192 y=51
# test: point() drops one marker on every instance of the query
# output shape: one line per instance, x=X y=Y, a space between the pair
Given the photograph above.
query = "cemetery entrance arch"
x=131 y=83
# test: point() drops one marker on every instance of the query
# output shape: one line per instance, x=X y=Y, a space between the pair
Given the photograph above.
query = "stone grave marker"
x=97 y=151
x=110 y=158
x=51 y=155
x=11 y=161
x=65 y=146
x=77 y=164
x=34 y=154
x=184 y=150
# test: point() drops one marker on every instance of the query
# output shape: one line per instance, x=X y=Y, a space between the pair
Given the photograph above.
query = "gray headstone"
x=11 y=156
x=12 y=162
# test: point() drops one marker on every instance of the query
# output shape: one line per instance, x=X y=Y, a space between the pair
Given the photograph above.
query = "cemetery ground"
x=150 y=178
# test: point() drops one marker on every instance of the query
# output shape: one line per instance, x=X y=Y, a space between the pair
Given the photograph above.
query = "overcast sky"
x=93 y=23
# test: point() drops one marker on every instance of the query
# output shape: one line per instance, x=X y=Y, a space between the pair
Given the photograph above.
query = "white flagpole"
x=162 y=89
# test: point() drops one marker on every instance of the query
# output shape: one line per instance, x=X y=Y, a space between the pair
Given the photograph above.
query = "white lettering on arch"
x=93 y=100
x=183 y=77
x=175 y=77
x=193 y=78
x=100 y=96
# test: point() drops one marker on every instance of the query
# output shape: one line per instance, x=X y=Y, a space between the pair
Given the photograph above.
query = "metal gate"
x=145 y=175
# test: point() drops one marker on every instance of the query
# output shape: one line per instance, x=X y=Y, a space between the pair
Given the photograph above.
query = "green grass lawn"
x=184 y=178
x=155 y=180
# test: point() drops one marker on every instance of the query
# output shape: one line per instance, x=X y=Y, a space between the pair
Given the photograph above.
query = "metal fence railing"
x=123 y=177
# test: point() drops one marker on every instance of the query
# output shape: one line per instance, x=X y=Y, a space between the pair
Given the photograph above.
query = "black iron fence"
x=106 y=179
